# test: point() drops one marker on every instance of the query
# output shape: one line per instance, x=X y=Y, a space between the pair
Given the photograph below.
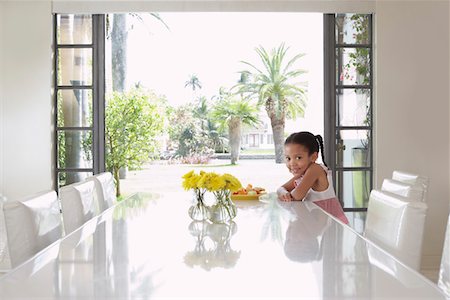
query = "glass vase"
x=199 y=211
x=223 y=210
x=233 y=209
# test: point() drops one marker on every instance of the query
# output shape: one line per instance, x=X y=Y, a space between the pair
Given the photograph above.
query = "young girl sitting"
x=311 y=181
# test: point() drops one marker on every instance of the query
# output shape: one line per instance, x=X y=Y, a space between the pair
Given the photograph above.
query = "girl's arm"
x=310 y=177
x=284 y=190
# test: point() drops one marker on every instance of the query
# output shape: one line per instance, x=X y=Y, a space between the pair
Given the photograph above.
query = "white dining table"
x=147 y=247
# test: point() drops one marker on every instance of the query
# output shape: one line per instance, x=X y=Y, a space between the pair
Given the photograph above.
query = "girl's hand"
x=286 y=196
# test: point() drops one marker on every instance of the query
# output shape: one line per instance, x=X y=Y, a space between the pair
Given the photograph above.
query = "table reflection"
x=212 y=248
x=304 y=234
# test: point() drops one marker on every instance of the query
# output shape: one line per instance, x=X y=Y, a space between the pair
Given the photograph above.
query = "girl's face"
x=298 y=159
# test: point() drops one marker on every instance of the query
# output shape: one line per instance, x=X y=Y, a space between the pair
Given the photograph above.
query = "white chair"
x=78 y=204
x=413 y=192
x=105 y=190
x=414 y=179
x=31 y=225
x=396 y=224
x=5 y=263
x=444 y=272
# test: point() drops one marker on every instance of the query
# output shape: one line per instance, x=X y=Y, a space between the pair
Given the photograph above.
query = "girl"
x=311 y=181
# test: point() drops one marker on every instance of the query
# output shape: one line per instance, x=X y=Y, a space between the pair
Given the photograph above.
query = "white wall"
x=1 y=99
x=412 y=103
x=27 y=122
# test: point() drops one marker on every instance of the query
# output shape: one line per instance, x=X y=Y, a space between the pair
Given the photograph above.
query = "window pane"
x=75 y=149
x=353 y=65
x=65 y=178
x=354 y=107
x=352 y=29
x=74 y=29
x=355 y=188
x=353 y=148
x=75 y=66
x=75 y=108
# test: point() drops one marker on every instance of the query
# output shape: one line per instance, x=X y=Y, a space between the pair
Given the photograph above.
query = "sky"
x=212 y=46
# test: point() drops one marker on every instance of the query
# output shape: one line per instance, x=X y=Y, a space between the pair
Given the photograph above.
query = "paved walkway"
x=159 y=176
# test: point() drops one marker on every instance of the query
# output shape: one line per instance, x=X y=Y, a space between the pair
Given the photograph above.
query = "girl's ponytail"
x=320 y=141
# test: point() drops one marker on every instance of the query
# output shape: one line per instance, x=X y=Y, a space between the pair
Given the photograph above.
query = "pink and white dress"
x=327 y=199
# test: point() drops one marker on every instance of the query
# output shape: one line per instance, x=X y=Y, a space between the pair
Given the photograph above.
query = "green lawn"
x=258 y=151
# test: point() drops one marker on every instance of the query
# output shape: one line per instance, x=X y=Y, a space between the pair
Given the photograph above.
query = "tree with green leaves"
x=193 y=82
x=202 y=112
x=134 y=121
x=186 y=134
x=232 y=112
x=274 y=87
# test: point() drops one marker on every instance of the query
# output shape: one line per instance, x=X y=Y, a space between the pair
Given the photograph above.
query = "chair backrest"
x=31 y=225
x=411 y=178
x=412 y=191
x=78 y=204
x=105 y=190
x=444 y=272
x=5 y=262
x=396 y=224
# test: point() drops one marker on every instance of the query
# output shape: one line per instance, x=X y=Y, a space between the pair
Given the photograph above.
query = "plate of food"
x=248 y=193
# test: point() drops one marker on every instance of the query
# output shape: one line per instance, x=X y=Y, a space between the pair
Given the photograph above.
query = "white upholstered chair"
x=31 y=225
x=413 y=179
x=396 y=224
x=5 y=263
x=78 y=204
x=444 y=272
x=105 y=190
x=412 y=191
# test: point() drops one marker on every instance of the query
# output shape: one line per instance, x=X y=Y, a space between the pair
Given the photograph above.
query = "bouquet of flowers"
x=191 y=181
x=220 y=185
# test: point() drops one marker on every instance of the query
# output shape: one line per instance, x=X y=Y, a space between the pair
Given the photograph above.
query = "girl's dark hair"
x=312 y=142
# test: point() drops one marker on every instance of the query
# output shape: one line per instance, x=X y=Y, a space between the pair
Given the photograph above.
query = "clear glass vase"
x=233 y=209
x=199 y=211
x=223 y=211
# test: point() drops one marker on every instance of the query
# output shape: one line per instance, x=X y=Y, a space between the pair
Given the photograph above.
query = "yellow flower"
x=232 y=183
x=212 y=182
x=190 y=180
x=188 y=174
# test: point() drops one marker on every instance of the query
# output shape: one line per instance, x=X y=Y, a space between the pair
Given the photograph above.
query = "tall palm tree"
x=119 y=45
x=274 y=88
x=200 y=111
x=233 y=111
x=193 y=82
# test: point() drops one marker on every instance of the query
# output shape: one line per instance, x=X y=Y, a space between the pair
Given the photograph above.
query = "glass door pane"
x=76 y=108
x=349 y=101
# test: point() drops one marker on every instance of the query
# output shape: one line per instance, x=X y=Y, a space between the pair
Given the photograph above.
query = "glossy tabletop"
x=146 y=247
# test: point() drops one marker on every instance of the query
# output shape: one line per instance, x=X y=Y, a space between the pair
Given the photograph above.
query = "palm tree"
x=233 y=111
x=193 y=82
x=273 y=86
x=119 y=45
x=200 y=111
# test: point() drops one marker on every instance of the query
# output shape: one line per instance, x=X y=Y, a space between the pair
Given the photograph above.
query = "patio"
x=158 y=176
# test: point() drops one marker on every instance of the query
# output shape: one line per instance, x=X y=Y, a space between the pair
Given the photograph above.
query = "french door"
x=79 y=97
x=80 y=101
x=348 y=106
